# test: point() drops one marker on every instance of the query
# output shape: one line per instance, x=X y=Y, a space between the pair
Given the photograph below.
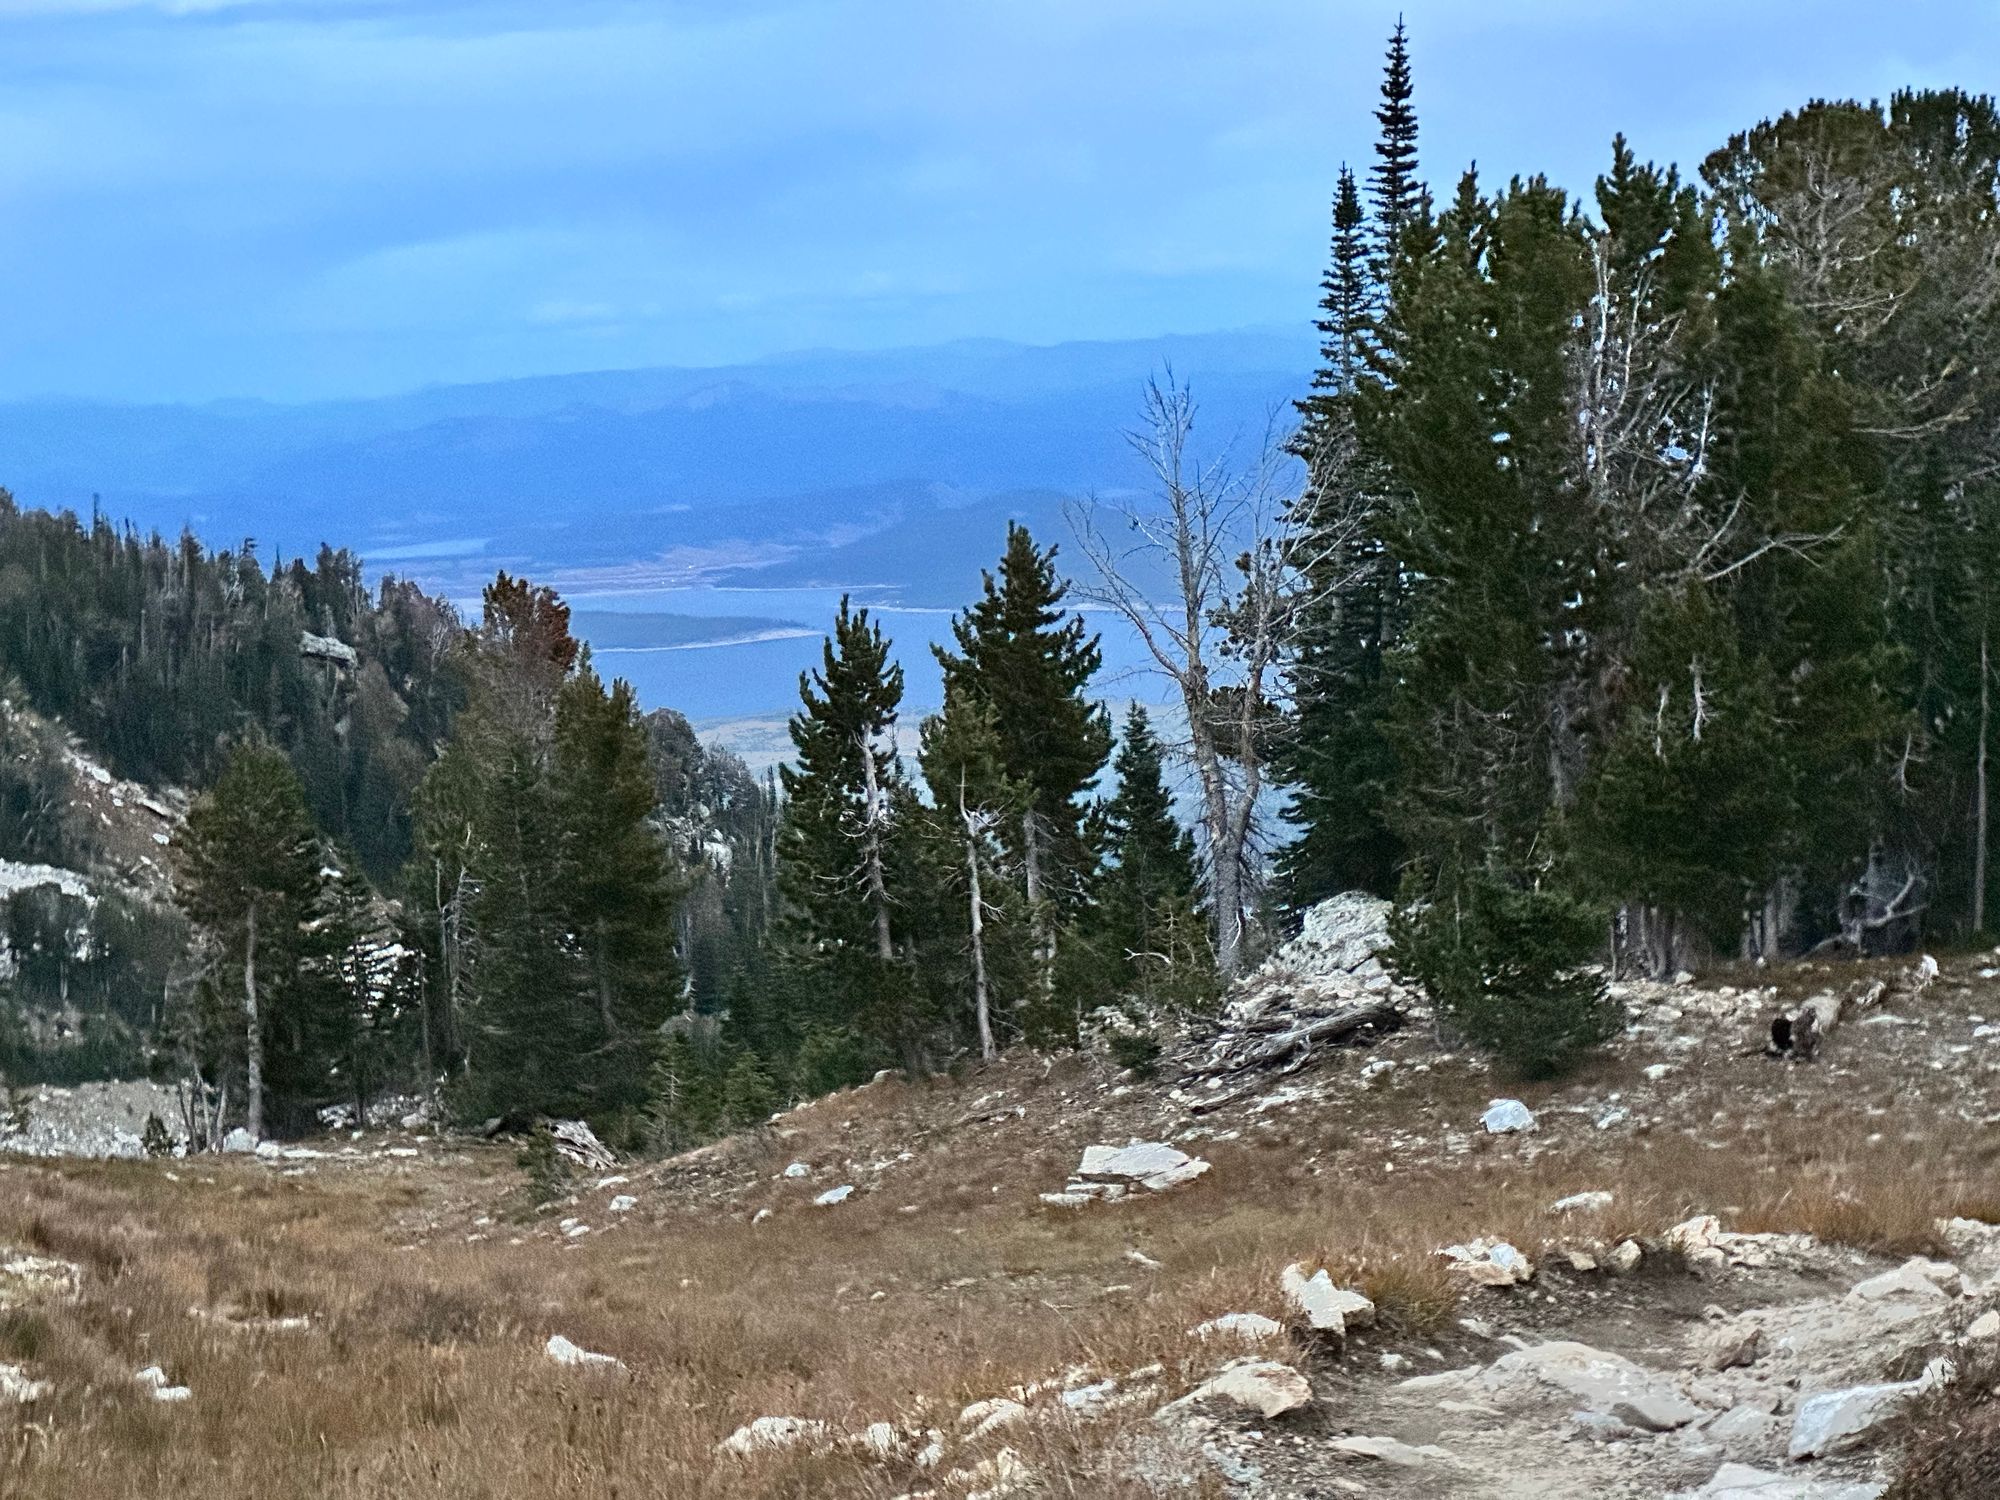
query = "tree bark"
x=981 y=999
x=253 y=1028
x=873 y=878
x=1979 y=792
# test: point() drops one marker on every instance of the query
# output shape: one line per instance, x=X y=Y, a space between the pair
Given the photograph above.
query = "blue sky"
x=306 y=198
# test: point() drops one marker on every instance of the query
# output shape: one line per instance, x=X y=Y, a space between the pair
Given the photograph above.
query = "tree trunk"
x=1032 y=856
x=1979 y=792
x=981 y=1000
x=872 y=876
x=1225 y=854
x=253 y=1028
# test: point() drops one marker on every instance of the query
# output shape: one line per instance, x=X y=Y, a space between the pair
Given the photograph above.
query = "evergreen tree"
x=1150 y=909
x=1396 y=194
x=1021 y=653
x=842 y=847
x=250 y=868
x=974 y=803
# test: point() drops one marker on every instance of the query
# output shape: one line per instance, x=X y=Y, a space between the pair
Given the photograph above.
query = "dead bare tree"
x=1208 y=576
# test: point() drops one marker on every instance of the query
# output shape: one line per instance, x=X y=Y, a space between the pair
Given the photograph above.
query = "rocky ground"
x=1317 y=1254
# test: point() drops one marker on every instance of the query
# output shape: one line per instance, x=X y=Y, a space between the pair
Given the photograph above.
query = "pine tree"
x=1150 y=908
x=842 y=845
x=1395 y=192
x=619 y=888
x=974 y=802
x=1021 y=653
x=250 y=868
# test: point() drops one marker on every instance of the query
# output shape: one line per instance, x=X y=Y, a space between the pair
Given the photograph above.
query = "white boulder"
x=563 y=1352
x=1507 y=1117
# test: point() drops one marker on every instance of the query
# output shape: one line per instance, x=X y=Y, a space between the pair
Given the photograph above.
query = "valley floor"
x=378 y=1324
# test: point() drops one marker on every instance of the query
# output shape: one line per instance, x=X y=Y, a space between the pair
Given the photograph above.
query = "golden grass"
x=422 y=1374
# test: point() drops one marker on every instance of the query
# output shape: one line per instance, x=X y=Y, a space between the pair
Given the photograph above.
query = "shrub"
x=547 y=1168
x=1137 y=1053
x=154 y=1137
x=1505 y=965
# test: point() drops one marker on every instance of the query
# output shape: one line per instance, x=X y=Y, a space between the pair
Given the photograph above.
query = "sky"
x=298 y=199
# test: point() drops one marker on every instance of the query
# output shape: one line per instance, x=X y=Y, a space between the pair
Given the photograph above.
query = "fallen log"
x=1262 y=1051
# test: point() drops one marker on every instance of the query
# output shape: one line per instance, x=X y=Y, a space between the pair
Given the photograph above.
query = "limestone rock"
x=1582 y=1203
x=17 y=1389
x=1262 y=1386
x=563 y=1352
x=1493 y=1263
x=1624 y=1257
x=1915 y=1280
x=239 y=1142
x=1325 y=1307
x=1507 y=1117
x=1390 y=1450
x=1834 y=1421
x=1250 y=1327
x=1153 y=1165
x=834 y=1196
x=1599 y=1382
x=770 y=1433
x=1731 y=1346
x=990 y=1415
x=1740 y=1482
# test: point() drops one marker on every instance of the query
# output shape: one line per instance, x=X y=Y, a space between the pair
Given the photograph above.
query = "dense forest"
x=1623 y=598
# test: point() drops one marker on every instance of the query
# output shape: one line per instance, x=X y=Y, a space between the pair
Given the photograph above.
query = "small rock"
x=1507 y=1117
x=769 y=1433
x=1625 y=1257
x=1582 y=1203
x=1390 y=1450
x=239 y=1142
x=1325 y=1307
x=16 y=1387
x=833 y=1196
x=563 y=1352
x=1985 y=1326
x=1600 y=1382
x=1740 y=1482
x=1493 y=1263
x=798 y=1169
x=1262 y=1386
x=623 y=1203
x=1732 y=1346
x=1915 y=1280
x=990 y=1415
x=1153 y=1165
x=1742 y=1428
x=1251 y=1327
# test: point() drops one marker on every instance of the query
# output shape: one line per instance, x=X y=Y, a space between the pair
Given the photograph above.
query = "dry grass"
x=422 y=1375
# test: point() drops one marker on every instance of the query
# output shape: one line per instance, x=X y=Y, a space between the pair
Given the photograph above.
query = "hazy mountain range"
x=677 y=508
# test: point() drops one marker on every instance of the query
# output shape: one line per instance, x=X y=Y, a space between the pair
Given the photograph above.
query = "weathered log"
x=1340 y=1025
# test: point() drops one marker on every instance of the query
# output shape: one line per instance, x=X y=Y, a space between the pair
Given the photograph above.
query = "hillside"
x=884 y=1264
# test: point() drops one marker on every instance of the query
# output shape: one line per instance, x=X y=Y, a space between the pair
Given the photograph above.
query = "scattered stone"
x=797 y=1170
x=1985 y=1326
x=1582 y=1203
x=1741 y=1428
x=990 y=1415
x=1834 y=1421
x=624 y=1203
x=1507 y=1117
x=16 y=1387
x=1153 y=1165
x=1262 y=1386
x=1624 y=1257
x=37 y=1278
x=1915 y=1280
x=1740 y=1482
x=1325 y=1307
x=1390 y=1450
x=563 y=1352
x=1251 y=1327
x=833 y=1196
x=579 y=1143
x=1493 y=1263
x=1731 y=1346
x=239 y=1142
x=1600 y=1382
x=1580 y=1260
x=767 y=1434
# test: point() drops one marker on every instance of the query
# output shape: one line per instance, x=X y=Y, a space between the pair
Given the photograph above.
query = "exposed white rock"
x=1624 y=1257
x=17 y=1388
x=239 y=1141
x=833 y=1196
x=1834 y=1421
x=37 y=1278
x=624 y=1203
x=1262 y=1386
x=990 y=1415
x=1248 y=1326
x=1492 y=1263
x=563 y=1352
x=797 y=1170
x=1599 y=1382
x=1915 y=1280
x=1740 y=1482
x=1325 y=1307
x=1390 y=1450
x=1507 y=1117
x=1582 y=1203
x=769 y=1433
x=1153 y=1165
